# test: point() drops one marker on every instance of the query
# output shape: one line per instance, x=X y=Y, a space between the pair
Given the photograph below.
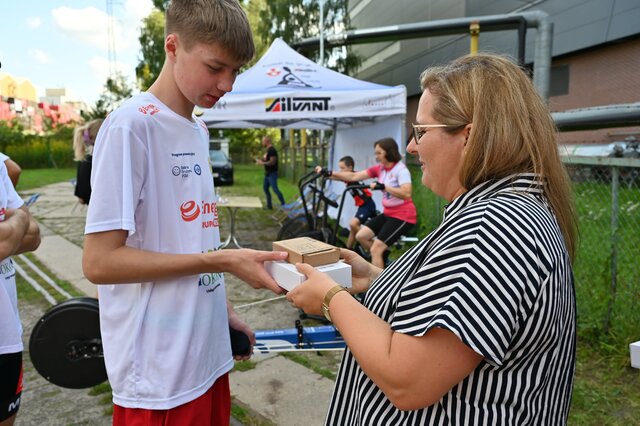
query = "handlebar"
x=323 y=197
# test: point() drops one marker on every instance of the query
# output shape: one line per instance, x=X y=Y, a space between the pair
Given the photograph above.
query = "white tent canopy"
x=286 y=90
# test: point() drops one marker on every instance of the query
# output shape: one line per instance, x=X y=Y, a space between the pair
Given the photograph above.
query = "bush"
x=36 y=151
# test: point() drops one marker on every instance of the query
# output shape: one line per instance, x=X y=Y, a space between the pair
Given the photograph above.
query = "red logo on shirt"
x=149 y=109
x=189 y=211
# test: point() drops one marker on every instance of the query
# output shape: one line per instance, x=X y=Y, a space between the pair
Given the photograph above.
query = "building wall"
x=26 y=90
x=599 y=40
x=601 y=76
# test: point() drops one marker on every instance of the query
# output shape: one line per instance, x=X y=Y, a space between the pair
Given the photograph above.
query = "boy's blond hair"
x=211 y=21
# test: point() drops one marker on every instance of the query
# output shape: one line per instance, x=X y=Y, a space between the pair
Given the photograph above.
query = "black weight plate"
x=57 y=340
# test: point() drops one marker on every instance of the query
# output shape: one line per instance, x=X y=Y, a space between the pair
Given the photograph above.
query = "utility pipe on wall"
x=520 y=21
x=474 y=32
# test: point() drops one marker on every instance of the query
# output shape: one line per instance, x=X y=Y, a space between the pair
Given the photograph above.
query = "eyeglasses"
x=419 y=130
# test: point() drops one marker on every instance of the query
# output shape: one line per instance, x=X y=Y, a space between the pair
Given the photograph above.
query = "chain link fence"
x=607 y=267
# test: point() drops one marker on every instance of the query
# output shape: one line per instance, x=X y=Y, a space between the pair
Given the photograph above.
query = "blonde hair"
x=84 y=137
x=212 y=21
x=512 y=129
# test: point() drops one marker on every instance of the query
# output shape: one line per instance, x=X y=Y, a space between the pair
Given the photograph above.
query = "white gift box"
x=634 y=348
x=288 y=277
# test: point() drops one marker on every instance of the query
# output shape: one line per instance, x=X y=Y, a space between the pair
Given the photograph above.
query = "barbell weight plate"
x=65 y=344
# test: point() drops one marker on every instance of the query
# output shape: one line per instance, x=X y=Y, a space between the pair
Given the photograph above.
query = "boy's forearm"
x=131 y=265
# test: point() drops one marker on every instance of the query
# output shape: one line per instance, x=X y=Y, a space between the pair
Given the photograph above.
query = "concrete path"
x=278 y=389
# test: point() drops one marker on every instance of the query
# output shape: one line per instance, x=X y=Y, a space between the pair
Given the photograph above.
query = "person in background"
x=399 y=213
x=152 y=241
x=13 y=169
x=270 y=163
x=19 y=233
x=84 y=137
x=361 y=196
x=476 y=324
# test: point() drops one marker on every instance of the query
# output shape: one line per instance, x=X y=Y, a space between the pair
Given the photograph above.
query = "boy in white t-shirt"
x=19 y=232
x=152 y=229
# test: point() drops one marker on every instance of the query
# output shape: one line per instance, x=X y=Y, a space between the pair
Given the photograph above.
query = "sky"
x=65 y=43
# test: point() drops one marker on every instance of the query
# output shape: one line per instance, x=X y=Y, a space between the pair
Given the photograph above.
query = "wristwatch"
x=327 y=299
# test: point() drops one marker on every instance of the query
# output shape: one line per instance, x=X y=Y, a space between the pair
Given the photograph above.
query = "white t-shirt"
x=3 y=157
x=165 y=342
x=10 y=326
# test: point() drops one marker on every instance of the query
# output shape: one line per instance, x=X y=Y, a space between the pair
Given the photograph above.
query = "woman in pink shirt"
x=399 y=212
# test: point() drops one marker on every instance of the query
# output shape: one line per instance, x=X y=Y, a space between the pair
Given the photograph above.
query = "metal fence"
x=607 y=266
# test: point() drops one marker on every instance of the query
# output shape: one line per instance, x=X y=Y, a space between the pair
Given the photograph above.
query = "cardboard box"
x=308 y=250
x=634 y=348
x=288 y=277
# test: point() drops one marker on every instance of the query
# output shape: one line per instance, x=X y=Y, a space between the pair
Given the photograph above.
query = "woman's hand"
x=309 y=295
x=362 y=272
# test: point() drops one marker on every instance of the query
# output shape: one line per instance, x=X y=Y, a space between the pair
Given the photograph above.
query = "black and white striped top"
x=497 y=274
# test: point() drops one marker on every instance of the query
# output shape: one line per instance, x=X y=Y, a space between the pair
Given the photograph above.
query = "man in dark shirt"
x=270 y=163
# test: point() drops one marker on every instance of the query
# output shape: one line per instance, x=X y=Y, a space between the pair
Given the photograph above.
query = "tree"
x=294 y=20
x=116 y=90
x=152 y=49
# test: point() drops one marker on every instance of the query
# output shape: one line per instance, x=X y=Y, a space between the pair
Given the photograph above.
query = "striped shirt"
x=497 y=274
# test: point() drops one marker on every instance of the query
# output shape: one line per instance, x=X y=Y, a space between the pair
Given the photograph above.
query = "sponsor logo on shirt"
x=149 y=109
x=185 y=171
x=2 y=212
x=207 y=211
x=291 y=104
x=7 y=270
x=211 y=281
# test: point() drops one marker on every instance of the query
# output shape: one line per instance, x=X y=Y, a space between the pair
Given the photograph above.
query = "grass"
x=606 y=389
x=34 y=178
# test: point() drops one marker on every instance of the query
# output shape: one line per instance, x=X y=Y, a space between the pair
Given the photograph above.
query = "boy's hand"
x=237 y=324
x=248 y=265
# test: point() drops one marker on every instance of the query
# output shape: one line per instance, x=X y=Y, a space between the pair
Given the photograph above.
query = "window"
x=559 y=84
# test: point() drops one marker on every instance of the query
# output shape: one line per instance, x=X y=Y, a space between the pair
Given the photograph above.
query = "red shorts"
x=212 y=408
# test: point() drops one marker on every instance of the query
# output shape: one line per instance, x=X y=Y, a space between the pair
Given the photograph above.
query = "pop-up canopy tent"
x=286 y=90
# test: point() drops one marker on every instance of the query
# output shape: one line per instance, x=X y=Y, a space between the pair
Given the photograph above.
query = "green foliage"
x=246 y=144
x=37 y=151
x=11 y=133
x=152 y=47
x=294 y=20
x=161 y=5
x=116 y=90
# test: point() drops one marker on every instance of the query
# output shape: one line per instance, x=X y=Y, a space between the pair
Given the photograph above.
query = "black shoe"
x=267 y=208
x=385 y=258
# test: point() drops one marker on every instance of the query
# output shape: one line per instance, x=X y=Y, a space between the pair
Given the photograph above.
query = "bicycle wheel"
x=292 y=228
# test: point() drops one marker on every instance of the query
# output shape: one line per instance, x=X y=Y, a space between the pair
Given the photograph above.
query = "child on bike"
x=361 y=196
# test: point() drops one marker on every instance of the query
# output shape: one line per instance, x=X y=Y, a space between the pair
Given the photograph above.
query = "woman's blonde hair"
x=84 y=136
x=512 y=130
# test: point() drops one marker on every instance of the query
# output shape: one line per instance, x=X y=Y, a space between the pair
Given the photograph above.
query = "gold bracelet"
x=327 y=300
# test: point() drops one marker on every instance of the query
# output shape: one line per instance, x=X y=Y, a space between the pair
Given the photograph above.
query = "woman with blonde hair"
x=476 y=323
x=84 y=137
